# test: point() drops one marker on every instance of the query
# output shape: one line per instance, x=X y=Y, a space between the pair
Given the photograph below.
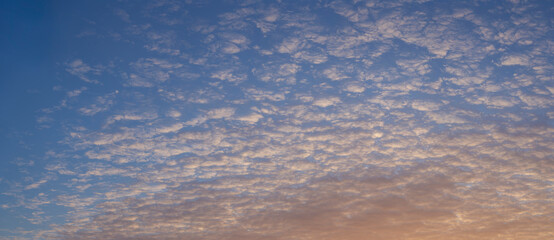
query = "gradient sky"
x=347 y=119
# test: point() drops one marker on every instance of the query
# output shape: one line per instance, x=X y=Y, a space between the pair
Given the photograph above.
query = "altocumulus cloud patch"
x=283 y=120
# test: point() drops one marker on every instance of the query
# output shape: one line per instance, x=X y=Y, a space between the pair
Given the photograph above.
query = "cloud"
x=162 y=42
x=260 y=95
x=220 y=113
x=131 y=117
x=515 y=60
x=333 y=120
x=251 y=118
x=123 y=15
x=354 y=88
x=311 y=56
x=80 y=69
x=290 y=45
x=102 y=103
x=425 y=105
x=326 y=102
x=334 y=74
x=36 y=184
x=76 y=92
x=442 y=118
x=174 y=114
x=149 y=72
x=288 y=69
x=171 y=128
x=230 y=48
x=494 y=102
x=372 y=171
x=228 y=75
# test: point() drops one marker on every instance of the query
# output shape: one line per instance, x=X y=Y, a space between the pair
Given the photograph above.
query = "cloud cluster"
x=328 y=120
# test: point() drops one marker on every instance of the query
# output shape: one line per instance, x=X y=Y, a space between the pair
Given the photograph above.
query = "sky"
x=346 y=119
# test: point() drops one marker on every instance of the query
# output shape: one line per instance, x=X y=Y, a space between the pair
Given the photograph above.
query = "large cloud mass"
x=285 y=120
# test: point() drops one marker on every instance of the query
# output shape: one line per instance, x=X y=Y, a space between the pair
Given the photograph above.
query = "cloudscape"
x=277 y=120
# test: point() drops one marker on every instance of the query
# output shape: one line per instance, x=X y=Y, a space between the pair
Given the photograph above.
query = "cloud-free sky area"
x=278 y=120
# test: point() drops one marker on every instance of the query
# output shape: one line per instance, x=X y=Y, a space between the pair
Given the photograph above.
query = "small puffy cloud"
x=288 y=69
x=101 y=104
x=137 y=81
x=334 y=74
x=352 y=14
x=304 y=98
x=251 y=118
x=312 y=57
x=464 y=81
x=151 y=71
x=272 y=15
x=173 y=114
x=535 y=101
x=326 y=102
x=290 y=45
x=515 y=60
x=425 y=105
x=220 y=113
x=76 y=92
x=163 y=43
x=171 y=128
x=414 y=66
x=265 y=27
x=36 y=184
x=236 y=38
x=80 y=69
x=93 y=109
x=149 y=62
x=260 y=95
x=228 y=75
x=123 y=15
x=131 y=117
x=355 y=88
x=230 y=48
x=494 y=102
x=443 y=118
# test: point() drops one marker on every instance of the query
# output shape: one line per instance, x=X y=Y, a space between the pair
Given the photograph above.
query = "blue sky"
x=412 y=119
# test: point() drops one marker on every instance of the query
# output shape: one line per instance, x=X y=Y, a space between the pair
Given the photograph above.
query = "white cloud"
x=515 y=60
x=230 y=48
x=464 y=81
x=171 y=128
x=36 y=184
x=131 y=117
x=442 y=118
x=76 y=92
x=326 y=102
x=251 y=118
x=290 y=45
x=260 y=95
x=535 y=101
x=425 y=105
x=174 y=114
x=101 y=104
x=334 y=74
x=220 y=113
x=494 y=102
x=355 y=88
x=228 y=75
x=315 y=58
x=80 y=69
x=288 y=69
